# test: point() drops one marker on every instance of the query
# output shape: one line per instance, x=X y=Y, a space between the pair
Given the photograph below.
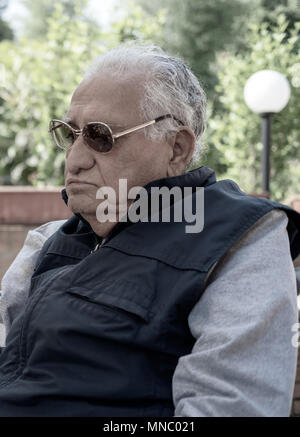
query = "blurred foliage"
x=38 y=11
x=271 y=9
x=5 y=30
x=135 y=24
x=197 y=30
x=235 y=130
x=40 y=77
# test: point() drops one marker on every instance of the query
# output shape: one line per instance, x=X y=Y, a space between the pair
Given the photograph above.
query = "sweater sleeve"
x=244 y=361
x=16 y=281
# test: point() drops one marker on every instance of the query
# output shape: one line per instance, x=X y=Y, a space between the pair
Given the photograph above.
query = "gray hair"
x=170 y=87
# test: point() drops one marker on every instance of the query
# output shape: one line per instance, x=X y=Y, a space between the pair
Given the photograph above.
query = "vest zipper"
x=98 y=245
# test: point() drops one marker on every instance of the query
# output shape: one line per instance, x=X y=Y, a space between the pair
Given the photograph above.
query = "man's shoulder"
x=275 y=221
x=46 y=229
x=227 y=197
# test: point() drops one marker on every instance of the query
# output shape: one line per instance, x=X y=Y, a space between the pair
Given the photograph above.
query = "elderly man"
x=142 y=318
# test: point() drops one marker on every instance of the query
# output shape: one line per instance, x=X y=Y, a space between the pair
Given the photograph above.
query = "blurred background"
x=45 y=46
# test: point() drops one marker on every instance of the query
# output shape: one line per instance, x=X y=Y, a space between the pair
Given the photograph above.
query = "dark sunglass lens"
x=62 y=134
x=98 y=136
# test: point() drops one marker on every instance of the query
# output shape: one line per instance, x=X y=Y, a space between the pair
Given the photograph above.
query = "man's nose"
x=79 y=157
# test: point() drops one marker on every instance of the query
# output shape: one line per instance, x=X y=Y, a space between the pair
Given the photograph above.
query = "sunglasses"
x=96 y=134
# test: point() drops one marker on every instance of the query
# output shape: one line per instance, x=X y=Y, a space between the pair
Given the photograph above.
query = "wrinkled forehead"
x=108 y=98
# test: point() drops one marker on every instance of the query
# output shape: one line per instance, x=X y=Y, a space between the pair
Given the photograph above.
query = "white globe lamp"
x=266 y=92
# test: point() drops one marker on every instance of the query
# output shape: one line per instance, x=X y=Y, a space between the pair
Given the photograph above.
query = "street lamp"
x=266 y=92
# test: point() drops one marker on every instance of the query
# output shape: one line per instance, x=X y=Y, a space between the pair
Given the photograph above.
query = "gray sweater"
x=243 y=362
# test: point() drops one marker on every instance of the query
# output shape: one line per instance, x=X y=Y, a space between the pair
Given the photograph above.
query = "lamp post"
x=266 y=92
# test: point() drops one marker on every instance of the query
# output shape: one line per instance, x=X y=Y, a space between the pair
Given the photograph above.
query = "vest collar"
x=199 y=177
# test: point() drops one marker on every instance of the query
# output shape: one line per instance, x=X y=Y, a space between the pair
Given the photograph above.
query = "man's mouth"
x=77 y=181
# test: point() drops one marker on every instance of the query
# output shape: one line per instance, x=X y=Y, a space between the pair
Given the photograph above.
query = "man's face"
x=133 y=157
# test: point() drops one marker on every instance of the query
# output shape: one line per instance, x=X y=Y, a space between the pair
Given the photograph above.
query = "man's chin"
x=79 y=204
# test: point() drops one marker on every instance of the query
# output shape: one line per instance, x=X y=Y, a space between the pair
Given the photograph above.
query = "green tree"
x=5 y=30
x=197 y=30
x=133 y=23
x=235 y=131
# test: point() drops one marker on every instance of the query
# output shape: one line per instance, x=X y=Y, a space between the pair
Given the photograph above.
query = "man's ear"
x=183 y=145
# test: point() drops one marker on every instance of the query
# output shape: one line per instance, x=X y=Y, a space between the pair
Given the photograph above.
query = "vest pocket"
x=114 y=297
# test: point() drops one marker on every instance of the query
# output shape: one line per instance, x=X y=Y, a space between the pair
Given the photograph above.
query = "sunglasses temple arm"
x=149 y=123
x=133 y=129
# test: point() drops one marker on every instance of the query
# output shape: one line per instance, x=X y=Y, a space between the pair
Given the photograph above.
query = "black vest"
x=101 y=332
